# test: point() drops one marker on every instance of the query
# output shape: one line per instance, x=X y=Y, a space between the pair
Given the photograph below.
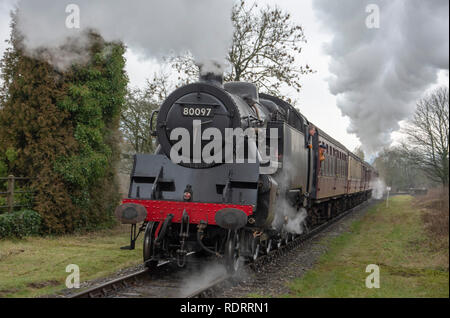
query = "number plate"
x=197 y=111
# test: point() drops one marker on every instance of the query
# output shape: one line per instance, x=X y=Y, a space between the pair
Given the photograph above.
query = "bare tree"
x=264 y=49
x=399 y=171
x=428 y=135
x=136 y=116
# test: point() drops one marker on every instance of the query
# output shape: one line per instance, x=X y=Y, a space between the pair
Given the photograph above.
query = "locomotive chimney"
x=211 y=74
x=216 y=79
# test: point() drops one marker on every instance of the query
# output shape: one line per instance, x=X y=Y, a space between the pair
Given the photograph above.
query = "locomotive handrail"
x=153 y=132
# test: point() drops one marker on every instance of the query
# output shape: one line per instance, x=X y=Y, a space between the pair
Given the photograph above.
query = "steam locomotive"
x=292 y=177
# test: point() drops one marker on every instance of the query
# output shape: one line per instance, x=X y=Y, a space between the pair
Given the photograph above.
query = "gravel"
x=273 y=278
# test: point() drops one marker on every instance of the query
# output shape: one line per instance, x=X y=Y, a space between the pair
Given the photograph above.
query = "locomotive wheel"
x=284 y=238
x=256 y=247
x=232 y=255
x=149 y=240
x=287 y=238
x=279 y=243
x=268 y=246
x=305 y=227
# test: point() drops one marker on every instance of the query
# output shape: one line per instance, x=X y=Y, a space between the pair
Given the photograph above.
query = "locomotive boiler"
x=235 y=174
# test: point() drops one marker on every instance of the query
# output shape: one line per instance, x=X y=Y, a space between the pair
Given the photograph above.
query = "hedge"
x=20 y=224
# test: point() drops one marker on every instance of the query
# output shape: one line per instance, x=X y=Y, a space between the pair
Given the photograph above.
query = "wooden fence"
x=10 y=203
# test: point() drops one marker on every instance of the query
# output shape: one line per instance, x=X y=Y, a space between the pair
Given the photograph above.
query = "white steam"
x=295 y=221
x=379 y=73
x=151 y=28
x=287 y=217
x=203 y=278
x=378 y=188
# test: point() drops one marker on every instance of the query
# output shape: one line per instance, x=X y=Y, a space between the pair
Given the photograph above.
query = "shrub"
x=20 y=224
x=61 y=128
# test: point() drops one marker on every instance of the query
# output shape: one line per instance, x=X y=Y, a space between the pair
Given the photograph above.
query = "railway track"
x=198 y=280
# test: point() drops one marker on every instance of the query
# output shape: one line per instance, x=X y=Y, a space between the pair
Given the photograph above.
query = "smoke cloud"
x=202 y=278
x=287 y=217
x=378 y=188
x=150 y=28
x=379 y=73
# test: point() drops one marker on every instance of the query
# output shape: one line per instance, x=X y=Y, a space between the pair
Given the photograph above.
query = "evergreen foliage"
x=20 y=224
x=61 y=128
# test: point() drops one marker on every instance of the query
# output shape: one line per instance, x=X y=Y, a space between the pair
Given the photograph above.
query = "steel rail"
x=104 y=289
x=108 y=288
x=206 y=290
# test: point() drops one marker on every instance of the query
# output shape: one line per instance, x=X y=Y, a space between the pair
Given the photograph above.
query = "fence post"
x=10 y=198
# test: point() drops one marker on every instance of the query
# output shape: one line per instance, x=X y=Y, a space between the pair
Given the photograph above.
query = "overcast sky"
x=315 y=100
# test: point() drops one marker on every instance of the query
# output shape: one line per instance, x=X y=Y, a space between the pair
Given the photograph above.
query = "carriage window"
x=331 y=166
x=330 y=172
x=334 y=167
x=323 y=166
x=328 y=165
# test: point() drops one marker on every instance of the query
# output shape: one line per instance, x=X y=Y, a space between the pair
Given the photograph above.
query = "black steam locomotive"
x=217 y=204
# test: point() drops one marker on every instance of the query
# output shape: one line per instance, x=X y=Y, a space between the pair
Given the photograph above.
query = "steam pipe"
x=201 y=227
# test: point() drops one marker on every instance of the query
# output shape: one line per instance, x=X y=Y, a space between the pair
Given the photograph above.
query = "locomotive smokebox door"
x=231 y=219
x=131 y=213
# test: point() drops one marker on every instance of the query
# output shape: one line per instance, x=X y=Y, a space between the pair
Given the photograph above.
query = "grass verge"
x=395 y=239
x=36 y=266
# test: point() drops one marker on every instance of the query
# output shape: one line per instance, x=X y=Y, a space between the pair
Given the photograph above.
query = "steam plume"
x=150 y=28
x=379 y=188
x=378 y=74
x=287 y=217
x=201 y=278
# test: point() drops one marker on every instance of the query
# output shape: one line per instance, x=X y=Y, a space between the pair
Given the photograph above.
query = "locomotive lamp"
x=187 y=195
x=131 y=213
